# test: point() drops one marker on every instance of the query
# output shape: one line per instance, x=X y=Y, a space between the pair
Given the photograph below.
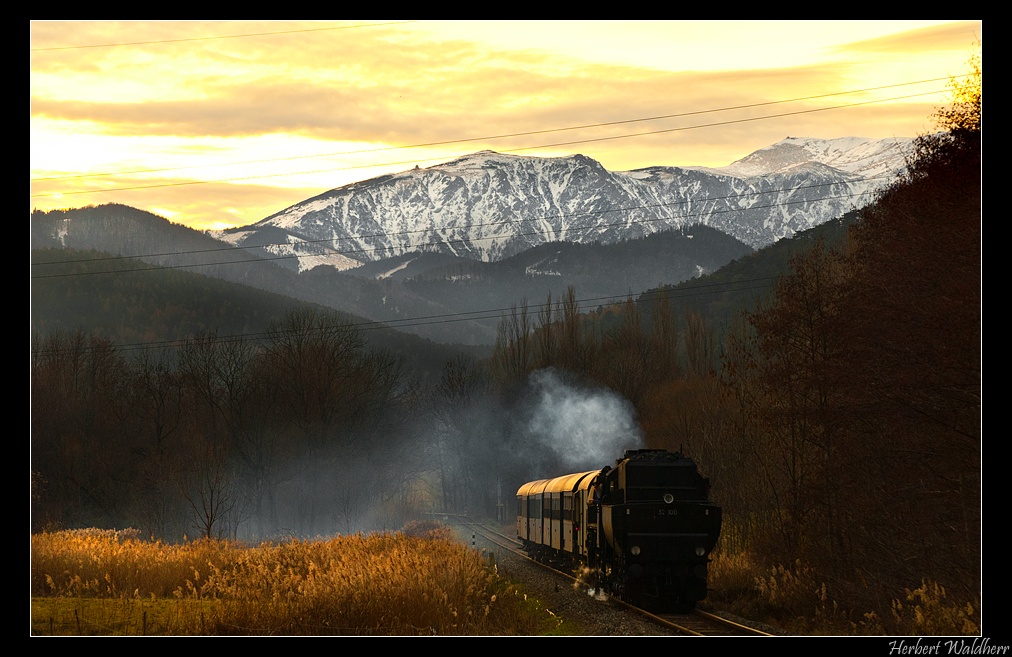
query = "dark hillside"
x=719 y=297
x=120 y=230
x=596 y=271
x=81 y=290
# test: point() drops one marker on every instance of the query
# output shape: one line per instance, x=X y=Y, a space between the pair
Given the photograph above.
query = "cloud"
x=951 y=36
x=344 y=90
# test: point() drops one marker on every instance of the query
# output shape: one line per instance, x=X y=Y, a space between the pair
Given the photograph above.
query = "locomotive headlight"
x=635 y=550
x=668 y=498
x=700 y=551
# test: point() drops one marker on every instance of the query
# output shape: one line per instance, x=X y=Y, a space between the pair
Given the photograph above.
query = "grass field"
x=415 y=582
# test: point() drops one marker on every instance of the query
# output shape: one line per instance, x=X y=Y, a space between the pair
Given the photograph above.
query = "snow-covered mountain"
x=489 y=206
x=869 y=158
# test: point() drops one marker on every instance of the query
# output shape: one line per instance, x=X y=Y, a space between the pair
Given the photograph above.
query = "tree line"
x=275 y=434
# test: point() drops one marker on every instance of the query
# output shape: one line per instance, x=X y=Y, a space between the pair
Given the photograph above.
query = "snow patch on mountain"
x=488 y=206
x=865 y=157
x=388 y=274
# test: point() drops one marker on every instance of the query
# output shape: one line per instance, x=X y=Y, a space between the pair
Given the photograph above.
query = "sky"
x=214 y=124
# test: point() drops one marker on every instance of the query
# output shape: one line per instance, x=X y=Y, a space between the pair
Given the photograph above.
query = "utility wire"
x=431 y=243
x=488 y=313
x=473 y=315
x=511 y=150
x=487 y=224
x=494 y=137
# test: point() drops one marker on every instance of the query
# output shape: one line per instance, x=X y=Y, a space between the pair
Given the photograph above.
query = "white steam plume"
x=585 y=428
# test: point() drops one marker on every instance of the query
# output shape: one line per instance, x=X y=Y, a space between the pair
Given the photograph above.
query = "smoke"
x=585 y=428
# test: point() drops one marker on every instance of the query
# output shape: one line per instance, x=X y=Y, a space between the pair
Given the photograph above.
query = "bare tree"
x=512 y=357
x=209 y=488
x=546 y=335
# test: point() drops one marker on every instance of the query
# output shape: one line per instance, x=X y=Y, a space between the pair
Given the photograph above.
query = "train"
x=641 y=531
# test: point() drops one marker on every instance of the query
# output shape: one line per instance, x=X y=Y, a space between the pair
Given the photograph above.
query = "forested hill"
x=406 y=289
x=120 y=230
x=721 y=296
x=127 y=300
x=141 y=306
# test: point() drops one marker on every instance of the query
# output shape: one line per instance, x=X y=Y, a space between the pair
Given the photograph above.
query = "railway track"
x=491 y=535
x=696 y=623
x=704 y=623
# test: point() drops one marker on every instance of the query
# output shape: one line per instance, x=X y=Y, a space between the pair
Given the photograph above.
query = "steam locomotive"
x=643 y=529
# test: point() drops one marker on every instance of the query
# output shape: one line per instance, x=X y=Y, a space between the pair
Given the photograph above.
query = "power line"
x=432 y=243
x=487 y=224
x=488 y=314
x=484 y=314
x=493 y=313
x=472 y=315
x=506 y=135
x=511 y=150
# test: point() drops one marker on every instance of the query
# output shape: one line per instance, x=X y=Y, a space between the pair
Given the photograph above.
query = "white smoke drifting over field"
x=585 y=428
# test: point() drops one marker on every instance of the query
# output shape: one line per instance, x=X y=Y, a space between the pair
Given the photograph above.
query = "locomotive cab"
x=659 y=528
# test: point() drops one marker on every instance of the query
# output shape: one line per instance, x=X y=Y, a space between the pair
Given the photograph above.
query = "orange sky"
x=214 y=124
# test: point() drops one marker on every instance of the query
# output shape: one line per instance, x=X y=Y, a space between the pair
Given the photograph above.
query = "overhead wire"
x=472 y=315
x=508 y=150
x=528 y=133
x=408 y=322
x=437 y=243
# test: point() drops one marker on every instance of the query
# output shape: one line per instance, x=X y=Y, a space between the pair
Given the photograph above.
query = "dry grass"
x=799 y=600
x=415 y=582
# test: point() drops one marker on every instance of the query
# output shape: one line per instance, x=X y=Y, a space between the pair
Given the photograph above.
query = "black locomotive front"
x=658 y=528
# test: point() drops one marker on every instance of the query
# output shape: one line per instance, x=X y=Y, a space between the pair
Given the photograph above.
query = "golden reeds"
x=377 y=584
x=799 y=600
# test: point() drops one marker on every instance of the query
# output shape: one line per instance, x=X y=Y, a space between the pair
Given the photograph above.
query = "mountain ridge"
x=488 y=206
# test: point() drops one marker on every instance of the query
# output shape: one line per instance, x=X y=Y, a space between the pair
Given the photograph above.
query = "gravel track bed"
x=590 y=616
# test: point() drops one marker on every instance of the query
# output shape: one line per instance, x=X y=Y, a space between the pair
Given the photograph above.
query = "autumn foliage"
x=859 y=382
